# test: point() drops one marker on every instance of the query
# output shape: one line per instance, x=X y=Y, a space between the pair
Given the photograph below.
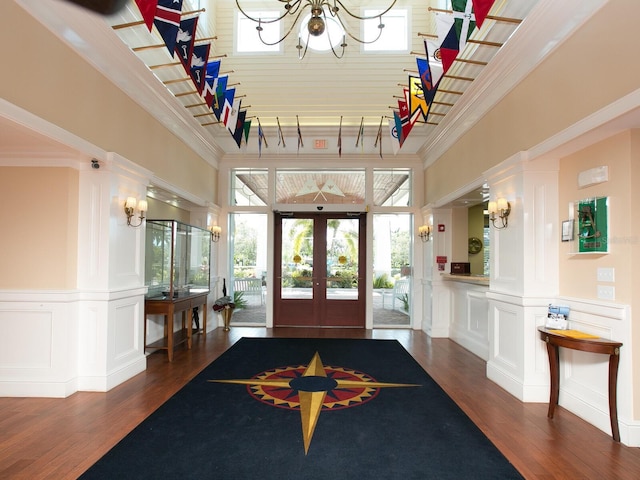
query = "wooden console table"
x=168 y=307
x=555 y=340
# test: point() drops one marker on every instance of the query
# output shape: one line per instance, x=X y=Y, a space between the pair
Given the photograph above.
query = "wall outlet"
x=606 y=292
x=606 y=274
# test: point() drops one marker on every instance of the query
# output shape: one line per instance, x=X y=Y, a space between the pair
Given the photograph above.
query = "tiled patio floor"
x=383 y=315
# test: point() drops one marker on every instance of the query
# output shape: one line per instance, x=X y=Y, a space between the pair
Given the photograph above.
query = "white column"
x=110 y=275
x=524 y=275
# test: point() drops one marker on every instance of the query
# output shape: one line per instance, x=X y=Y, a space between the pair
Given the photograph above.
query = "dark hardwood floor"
x=61 y=438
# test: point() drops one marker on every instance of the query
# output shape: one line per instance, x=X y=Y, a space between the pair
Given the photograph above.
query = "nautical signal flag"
x=148 y=11
x=184 y=41
x=417 y=102
x=210 y=79
x=429 y=81
x=481 y=10
x=239 y=129
x=198 y=65
x=167 y=21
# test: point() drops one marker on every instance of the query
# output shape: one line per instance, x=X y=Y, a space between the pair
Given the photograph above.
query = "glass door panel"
x=342 y=258
x=317 y=277
x=297 y=258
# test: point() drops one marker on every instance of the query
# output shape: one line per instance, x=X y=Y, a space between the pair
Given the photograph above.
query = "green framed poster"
x=593 y=225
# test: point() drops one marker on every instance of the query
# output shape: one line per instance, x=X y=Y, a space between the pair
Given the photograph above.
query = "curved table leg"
x=554 y=369
x=613 y=408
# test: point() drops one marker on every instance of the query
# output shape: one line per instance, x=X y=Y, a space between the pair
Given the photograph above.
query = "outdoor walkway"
x=383 y=315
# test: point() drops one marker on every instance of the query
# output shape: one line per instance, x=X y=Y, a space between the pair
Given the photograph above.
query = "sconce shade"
x=130 y=207
x=499 y=210
x=424 y=232
x=215 y=232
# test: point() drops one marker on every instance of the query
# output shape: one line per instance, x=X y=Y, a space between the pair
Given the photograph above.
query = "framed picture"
x=567 y=230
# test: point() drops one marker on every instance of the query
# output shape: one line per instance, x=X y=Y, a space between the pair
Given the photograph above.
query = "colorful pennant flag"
x=378 y=141
x=403 y=120
x=300 y=142
x=239 y=127
x=393 y=133
x=184 y=41
x=261 y=138
x=230 y=110
x=210 y=79
x=429 y=81
x=360 y=137
x=340 y=138
x=198 y=65
x=148 y=11
x=280 y=135
x=465 y=20
x=167 y=21
x=417 y=101
x=221 y=89
x=449 y=49
x=247 y=129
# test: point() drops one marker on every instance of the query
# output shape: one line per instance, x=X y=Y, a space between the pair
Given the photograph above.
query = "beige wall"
x=476 y=229
x=163 y=211
x=578 y=273
x=47 y=78
x=38 y=248
x=459 y=238
x=575 y=80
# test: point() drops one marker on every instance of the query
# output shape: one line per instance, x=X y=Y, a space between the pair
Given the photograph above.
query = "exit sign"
x=320 y=144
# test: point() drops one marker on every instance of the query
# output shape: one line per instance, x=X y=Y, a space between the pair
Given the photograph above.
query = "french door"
x=319 y=270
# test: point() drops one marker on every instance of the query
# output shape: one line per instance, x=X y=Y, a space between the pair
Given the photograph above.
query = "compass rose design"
x=311 y=389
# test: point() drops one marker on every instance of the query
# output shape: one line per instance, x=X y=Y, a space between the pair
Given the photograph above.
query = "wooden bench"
x=250 y=287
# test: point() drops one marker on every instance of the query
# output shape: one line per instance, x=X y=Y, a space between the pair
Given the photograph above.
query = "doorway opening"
x=319 y=270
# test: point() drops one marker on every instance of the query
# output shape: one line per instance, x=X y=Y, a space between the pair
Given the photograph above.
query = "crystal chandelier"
x=322 y=12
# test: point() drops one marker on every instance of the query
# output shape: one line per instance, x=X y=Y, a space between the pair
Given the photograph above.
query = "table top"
x=596 y=345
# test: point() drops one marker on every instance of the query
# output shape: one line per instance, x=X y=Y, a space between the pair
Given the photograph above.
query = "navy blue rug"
x=308 y=409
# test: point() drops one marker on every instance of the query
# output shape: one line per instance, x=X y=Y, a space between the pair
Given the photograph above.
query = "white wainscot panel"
x=37 y=348
x=506 y=341
x=126 y=330
x=25 y=339
x=470 y=318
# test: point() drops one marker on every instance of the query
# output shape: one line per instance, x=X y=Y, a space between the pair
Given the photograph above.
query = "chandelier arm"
x=343 y=44
x=293 y=24
x=292 y=11
x=353 y=15
x=364 y=42
x=299 y=47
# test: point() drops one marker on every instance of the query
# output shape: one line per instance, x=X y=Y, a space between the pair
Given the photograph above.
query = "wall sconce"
x=130 y=207
x=424 y=232
x=502 y=208
x=215 y=232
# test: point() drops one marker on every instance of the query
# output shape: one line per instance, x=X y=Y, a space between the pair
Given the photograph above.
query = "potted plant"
x=224 y=306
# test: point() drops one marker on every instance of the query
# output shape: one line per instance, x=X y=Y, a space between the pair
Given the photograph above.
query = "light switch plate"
x=606 y=274
x=606 y=292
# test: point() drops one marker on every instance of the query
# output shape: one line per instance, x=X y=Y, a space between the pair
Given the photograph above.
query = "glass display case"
x=177 y=259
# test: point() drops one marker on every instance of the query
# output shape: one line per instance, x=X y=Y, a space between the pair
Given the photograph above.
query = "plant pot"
x=226 y=313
